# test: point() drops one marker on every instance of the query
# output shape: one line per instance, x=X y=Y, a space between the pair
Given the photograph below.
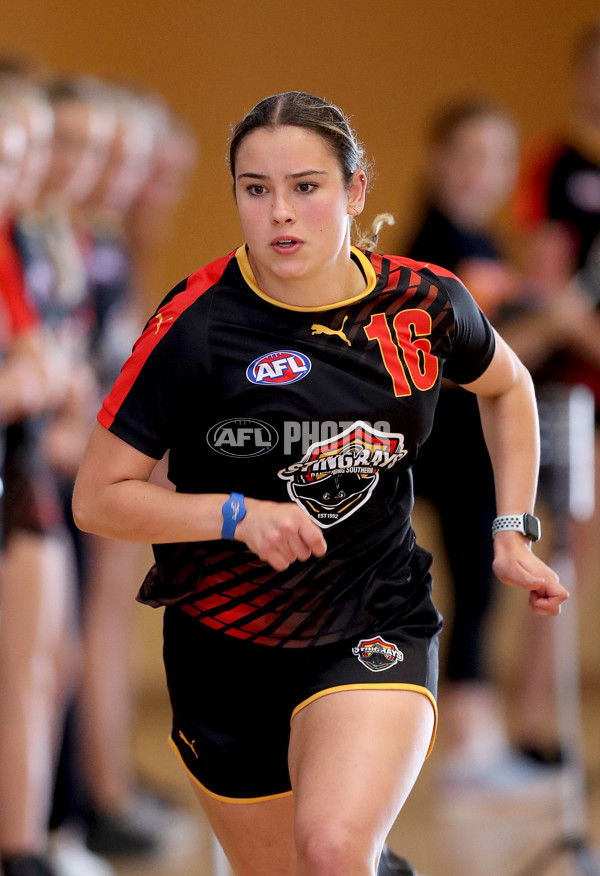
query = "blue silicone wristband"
x=233 y=511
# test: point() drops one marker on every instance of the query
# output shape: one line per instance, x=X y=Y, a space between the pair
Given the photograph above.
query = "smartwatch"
x=233 y=511
x=526 y=524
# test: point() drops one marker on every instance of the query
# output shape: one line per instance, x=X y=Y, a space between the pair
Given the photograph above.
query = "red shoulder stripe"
x=435 y=269
x=160 y=324
x=402 y=261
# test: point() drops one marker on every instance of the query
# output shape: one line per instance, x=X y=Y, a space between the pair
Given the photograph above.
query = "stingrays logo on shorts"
x=377 y=654
x=336 y=476
x=282 y=366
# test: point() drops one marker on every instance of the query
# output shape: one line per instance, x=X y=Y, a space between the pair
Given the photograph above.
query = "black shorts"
x=233 y=701
x=31 y=494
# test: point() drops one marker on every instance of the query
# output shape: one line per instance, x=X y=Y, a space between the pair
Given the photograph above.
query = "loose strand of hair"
x=370 y=239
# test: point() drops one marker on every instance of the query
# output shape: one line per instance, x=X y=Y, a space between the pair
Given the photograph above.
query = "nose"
x=281 y=211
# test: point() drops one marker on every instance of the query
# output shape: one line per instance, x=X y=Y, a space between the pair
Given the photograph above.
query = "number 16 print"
x=412 y=328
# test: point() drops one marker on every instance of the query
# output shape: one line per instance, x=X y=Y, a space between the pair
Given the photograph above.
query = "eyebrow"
x=288 y=176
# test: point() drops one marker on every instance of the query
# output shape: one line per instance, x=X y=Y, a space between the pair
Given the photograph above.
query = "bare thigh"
x=354 y=757
x=258 y=838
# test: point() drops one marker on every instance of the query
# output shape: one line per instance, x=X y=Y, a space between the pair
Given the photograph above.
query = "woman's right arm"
x=114 y=498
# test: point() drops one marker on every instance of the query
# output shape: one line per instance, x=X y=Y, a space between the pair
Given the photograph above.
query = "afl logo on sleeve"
x=377 y=654
x=282 y=366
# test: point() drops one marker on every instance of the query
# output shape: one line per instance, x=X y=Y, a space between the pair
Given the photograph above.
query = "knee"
x=328 y=849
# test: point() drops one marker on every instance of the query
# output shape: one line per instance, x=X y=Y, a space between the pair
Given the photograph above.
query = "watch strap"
x=526 y=524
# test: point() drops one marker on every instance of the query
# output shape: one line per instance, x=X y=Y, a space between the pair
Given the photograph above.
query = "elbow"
x=523 y=377
x=83 y=508
x=517 y=377
x=80 y=516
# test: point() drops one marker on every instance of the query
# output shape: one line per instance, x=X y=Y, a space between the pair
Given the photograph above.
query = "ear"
x=357 y=191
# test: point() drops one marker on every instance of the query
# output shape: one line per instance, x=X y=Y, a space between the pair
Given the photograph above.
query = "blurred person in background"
x=105 y=695
x=35 y=602
x=56 y=286
x=472 y=163
x=78 y=278
x=90 y=152
x=557 y=211
x=125 y=816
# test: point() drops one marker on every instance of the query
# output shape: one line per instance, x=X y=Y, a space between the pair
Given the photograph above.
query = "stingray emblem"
x=337 y=476
x=377 y=654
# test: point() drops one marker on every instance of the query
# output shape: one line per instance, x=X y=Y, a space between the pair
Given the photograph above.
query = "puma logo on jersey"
x=191 y=744
x=318 y=329
x=159 y=321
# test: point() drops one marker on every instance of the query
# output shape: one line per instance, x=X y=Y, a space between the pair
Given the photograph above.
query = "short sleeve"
x=473 y=341
x=147 y=396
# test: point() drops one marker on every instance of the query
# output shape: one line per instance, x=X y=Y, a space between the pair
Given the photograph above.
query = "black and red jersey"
x=326 y=407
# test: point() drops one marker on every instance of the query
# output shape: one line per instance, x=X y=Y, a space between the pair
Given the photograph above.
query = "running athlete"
x=292 y=382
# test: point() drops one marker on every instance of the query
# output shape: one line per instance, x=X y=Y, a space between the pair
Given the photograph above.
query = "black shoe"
x=118 y=834
x=26 y=865
x=391 y=864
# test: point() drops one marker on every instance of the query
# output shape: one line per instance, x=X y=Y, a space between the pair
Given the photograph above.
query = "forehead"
x=287 y=148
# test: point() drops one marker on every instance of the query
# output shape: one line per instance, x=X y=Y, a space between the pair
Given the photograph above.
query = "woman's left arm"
x=510 y=425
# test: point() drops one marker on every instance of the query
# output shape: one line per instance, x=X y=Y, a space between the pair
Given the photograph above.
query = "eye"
x=255 y=189
x=306 y=187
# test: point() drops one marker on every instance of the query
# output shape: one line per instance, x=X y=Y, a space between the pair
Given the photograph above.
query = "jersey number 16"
x=410 y=354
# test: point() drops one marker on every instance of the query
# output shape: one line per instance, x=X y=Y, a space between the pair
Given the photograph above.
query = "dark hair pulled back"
x=303 y=110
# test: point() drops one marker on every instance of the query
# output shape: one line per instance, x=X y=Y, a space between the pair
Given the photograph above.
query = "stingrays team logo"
x=377 y=654
x=336 y=476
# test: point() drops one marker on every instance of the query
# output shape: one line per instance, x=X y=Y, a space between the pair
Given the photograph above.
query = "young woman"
x=292 y=382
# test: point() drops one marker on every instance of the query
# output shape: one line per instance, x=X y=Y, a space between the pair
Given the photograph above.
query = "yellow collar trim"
x=248 y=275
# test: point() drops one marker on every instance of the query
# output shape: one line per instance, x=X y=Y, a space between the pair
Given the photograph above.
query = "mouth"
x=286 y=244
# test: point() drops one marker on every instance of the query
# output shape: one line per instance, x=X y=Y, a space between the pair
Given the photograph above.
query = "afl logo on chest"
x=282 y=366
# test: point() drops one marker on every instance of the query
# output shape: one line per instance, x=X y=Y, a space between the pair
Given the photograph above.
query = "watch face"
x=532 y=527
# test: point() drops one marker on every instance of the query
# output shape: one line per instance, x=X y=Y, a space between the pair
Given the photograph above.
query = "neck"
x=333 y=282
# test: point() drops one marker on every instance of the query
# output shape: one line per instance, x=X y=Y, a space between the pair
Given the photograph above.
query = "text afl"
x=279 y=367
